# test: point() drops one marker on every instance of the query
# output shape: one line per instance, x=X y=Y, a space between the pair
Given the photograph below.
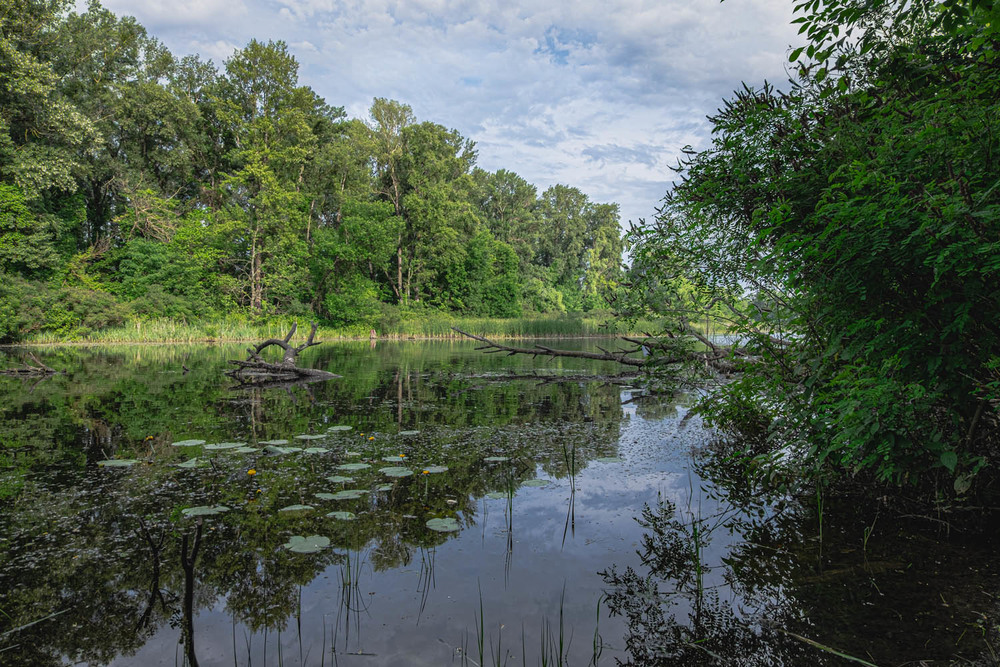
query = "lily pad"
x=352 y=453
x=187 y=443
x=353 y=466
x=117 y=463
x=245 y=450
x=396 y=471
x=496 y=495
x=339 y=479
x=496 y=459
x=408 y=433
x=610 y=459
x=326 y=496
x=343 y=516
x=273 y=442
x=193 y=463
x=204 y=510
x=536 y=482
x=348 y=494
x=225 y=445
x=448 y=525
x=435 y=469
x=341 y=427
x=315 y=450
x=393 y=459
x=384 y=487
x=309 y=437
x=307 y=545
x=274 y=449
x=296 y=508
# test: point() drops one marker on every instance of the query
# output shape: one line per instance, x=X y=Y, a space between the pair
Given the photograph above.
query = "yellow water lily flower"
x=252 y=472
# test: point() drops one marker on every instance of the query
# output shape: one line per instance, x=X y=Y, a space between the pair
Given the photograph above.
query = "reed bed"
x=422 y=326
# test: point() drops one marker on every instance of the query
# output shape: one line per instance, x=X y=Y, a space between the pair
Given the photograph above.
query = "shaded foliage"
x=848 y=228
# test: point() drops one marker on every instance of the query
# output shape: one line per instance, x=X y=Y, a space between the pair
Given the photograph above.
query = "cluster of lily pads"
x=345 y=476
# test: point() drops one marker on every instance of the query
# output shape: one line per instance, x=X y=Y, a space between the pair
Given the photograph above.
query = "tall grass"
x=424 y=325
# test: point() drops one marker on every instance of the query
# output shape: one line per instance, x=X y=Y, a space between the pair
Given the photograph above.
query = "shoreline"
x=334 y=339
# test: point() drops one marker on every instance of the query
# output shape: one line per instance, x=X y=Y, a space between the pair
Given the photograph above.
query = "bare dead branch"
x=255 y=370
x=542 y=350
x=719 y=358
x=27 y=370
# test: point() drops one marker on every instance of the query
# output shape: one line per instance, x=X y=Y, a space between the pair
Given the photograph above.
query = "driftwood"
x=255 y=370
x=721 y=359
x=38 y=370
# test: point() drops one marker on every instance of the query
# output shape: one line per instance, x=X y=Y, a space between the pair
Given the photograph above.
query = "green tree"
x=389 y=118
x=506 y=205
x=268 y=120
x=861 y=210
x=43 y=136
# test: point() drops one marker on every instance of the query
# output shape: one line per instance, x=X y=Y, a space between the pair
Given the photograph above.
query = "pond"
x=435 y=505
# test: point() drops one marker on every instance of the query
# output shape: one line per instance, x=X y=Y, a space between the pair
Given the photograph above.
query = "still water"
x=507 y=510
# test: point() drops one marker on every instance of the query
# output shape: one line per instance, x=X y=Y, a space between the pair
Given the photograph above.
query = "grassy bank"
x=424 y=326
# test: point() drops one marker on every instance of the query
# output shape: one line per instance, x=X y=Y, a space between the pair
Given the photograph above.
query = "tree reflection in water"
x=753 y=584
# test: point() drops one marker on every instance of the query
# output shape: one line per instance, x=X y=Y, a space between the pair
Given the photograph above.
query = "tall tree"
x=389 y=119
x=43 y=138
x=507 y=205
x=268 y=120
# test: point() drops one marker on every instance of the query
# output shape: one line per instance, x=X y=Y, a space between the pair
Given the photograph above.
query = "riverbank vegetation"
x=136 y=185
x=860 y=207
x=408 y=324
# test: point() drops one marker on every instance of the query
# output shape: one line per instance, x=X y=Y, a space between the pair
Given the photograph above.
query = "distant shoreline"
x=429 y=327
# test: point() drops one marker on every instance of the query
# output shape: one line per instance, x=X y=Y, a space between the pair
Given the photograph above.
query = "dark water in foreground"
x=544 y=481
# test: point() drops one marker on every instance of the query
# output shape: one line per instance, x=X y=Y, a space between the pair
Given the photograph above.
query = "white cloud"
x=178 y=12
x=218 y=50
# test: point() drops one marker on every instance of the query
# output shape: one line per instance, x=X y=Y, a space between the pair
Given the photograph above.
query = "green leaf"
x=307 y=545
x=447 y=525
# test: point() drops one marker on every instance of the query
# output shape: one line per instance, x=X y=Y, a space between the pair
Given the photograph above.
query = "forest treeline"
x=135 y=184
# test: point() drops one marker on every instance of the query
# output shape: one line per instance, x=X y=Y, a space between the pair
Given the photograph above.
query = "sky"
x=601 y=95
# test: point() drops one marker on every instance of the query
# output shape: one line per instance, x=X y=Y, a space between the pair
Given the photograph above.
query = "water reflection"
x=101 y=566
x=738 y=576
x=110 y=552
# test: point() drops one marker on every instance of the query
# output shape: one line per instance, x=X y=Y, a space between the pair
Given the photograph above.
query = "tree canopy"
x=157 y=186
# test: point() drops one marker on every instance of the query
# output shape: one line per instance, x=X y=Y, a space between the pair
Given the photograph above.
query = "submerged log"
x=255 y=370
x=27 y=370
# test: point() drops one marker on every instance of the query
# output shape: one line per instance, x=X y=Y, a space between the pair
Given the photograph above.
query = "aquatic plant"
x=446 y=525
x=204 y=510
x=307 y=545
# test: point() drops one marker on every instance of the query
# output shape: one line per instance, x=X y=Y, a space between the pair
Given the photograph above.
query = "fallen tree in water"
x=659 y=352
x=255 y=370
